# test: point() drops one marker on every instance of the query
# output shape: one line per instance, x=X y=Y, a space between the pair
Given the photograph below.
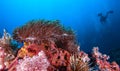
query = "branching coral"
x=102 y=61
x=6 y=38
x=5 y=42
x=6 y=51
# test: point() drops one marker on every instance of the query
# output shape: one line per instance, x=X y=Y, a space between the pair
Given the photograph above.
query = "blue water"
x=81 y=15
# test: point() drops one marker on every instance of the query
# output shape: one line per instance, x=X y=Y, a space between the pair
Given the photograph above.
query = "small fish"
x=65 y=34
x=31 y=38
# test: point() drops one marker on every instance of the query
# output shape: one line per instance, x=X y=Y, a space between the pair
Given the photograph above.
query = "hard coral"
x=41 y=31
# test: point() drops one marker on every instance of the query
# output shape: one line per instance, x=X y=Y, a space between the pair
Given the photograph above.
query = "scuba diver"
x=103 y=18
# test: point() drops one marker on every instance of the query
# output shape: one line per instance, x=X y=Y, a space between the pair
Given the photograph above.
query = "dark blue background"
x=81 y=15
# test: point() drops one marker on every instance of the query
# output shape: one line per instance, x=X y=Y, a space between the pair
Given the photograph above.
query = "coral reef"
x=57 y=57
x=6 y=51
x=101 y=61
x=36 y=63
x=2 y=57
x=42 y=45
x=42 y=31
x=6 y=38
x=5 y=42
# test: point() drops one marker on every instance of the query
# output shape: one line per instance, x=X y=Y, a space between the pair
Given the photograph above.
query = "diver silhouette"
x=103 y=18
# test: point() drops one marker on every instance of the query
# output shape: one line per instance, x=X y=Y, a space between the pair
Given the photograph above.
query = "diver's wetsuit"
x=103 y=18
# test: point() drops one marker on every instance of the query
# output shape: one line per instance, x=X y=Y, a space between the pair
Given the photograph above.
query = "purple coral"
x=36 y=63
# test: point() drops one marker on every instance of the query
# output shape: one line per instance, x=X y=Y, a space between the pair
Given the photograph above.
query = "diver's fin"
x=110 y=12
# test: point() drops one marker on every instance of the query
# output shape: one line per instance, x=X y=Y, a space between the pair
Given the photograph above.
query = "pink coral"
x=2 y=57
x=102 y=61
x=36 y=63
